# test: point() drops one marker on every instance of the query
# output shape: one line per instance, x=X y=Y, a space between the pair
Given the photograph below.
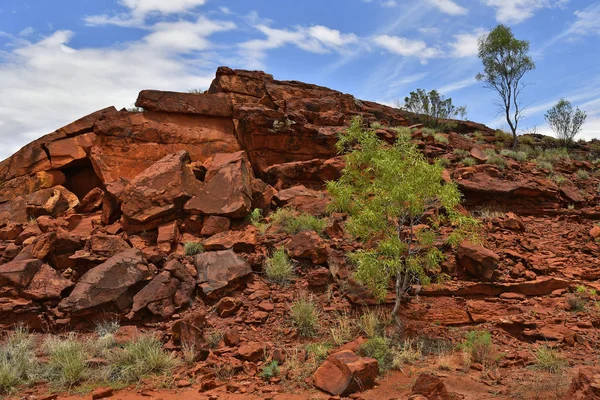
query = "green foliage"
x=565 y=121
x=255 y=216
x=319 y=351
x=478 y=347
x=139 y=359
x=66 y=361
x=545 y=165
x=305 y=316
x=527 y=140
x=376 y=125
x=478 y=136
x=373 y=322
x=503 y=137
x=291 y=223
x=279 y=267
x=403 y=132
x=583 y=174
x=557 y=178
x=408 y=353
x=432 y=107
x=18 y=364
x=496 y=160
x=460 y=152
x=386 y=190
x=380 y=349
x=439 y=138
x=548 y=359
x=427 y=132
x=548 y=142
x=505 y=60
x=270 y=370
x=469 y=161
x=192 y=248
x=515 y=155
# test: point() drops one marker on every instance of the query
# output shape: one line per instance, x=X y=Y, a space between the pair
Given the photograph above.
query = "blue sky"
x=60 y=60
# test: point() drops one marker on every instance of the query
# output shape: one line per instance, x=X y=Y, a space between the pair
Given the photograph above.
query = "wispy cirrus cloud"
x=406 y=47
x=517 y=11
x=449 y=7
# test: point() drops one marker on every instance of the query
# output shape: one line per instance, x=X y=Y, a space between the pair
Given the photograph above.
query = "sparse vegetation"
x=557 y=178
x=192 y=248
x=548 y=359
x=545 y=165
x=305 y=316
x=469 y=161
x=319 y=351
x=439 y=138
x=139 y=359
x=341 y=332
x=18 y=364
x=291 y=223
x=478 y=348
x=583 y=174
x=407 y=353
x=270 y=370
x=460 y=152
x=373 y=322
x=279 y=267
x=66 y=364
x=565 y=121
x=496 y=160
x=371 y=194
x=379 y=348
x=515 y=155
x=432 y=107
x=213 y=339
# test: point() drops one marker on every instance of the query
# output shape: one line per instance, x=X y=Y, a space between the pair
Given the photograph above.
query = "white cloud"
x=27 y=31
x=406 y=47
x=453 y=86
x=448 y=7
x=430 y=30
x=138 y=10
x=389 y=4
x=587 y=22
x=47 y=84
x=466 y=44
x=517 y=11
x=315 y=39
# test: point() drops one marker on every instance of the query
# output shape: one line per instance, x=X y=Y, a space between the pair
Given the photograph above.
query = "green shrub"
x=305 y=317
x=478 y=347
x=444 y=162
x=496 y=160
x=373 y=322
x=403 y=132
x=478 y=136
x=430 y=108
x=583 y=174
x=319 y=351
x=548 y=359
x=515 y=155
x=545 y=165
x=376 y=125
x=279 y=267
x=426 y=132
x=379 y=348
x=291 y=223
x=527 y=140
x=557 y=178
x=503 y=137
x=461 y=152
x=469 y=161
x=66 y=361
x=439 y=138
x=554 y=155
x=270 y=370
x=18 y=364
x=139 y=359
x=193 y=248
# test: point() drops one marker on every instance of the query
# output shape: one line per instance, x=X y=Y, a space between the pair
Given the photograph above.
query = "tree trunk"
x=515 y=143
x=398 y=299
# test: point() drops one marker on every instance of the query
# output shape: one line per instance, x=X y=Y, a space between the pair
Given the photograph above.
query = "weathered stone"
x=307 y=245
x=477 y=260
x=221 y=272
x=213 y=225
x=227 y=306
x=227 y=190
x=239 y=241
x=109 y=284
x=344 y=373
x=47 y=284
x=157 y=195
x=252 y=352
x=212 y=105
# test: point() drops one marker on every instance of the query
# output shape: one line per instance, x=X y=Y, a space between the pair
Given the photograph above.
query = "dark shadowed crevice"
x=81 y=177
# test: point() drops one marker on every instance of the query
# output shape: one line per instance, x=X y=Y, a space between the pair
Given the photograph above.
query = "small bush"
x=18 y=364
x=374 y=322
x=139 y=359
x=213 y=339
x=193 y=248
x=408 y=353
x=527 y=140
x=496 y=160
x=460 y=152
x=319 y=351
x=341 y=333
x=444 y=162
x=107 y=327
x=426 y=132
x=270 y=370
x=66 y=361
x=403 y=132
x=279 y=267
x=515 y=155
x=548 y=359
x=376 y=125
x=478 y=136
x=575 y=302
x=379 y=348
x=583 y=174
x=189 y=353
x=291 y=223
x=439 y=138
x=255 y=216
x=469 y=161
x=503 y=137
x=545 y=165
x=557 y=178
x=478 y=347
x=305 y=316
